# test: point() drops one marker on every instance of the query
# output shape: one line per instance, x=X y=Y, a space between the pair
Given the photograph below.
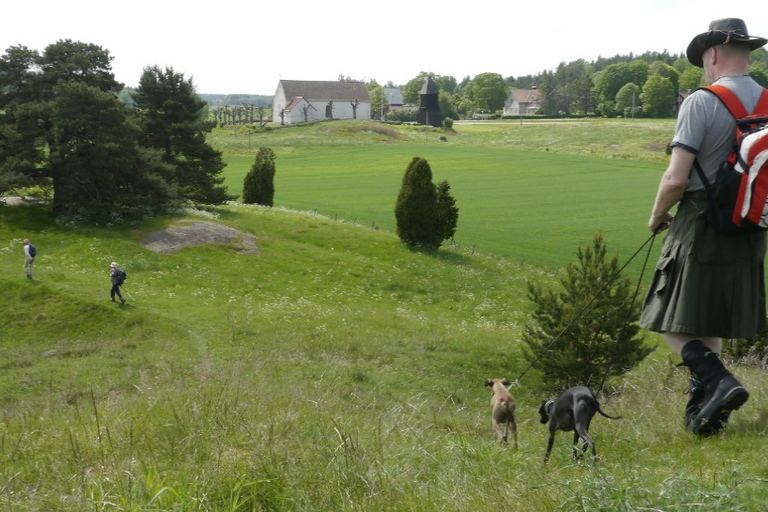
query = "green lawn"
x=520 y=204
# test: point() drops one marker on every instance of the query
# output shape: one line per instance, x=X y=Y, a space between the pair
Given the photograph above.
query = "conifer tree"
x=259 y=183
x=62 y=127
x=174 y=121
x=447 y=211
x=572 y=345
x=425 y=214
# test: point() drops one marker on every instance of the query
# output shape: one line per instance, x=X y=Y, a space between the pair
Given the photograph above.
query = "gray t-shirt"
x=706 y=128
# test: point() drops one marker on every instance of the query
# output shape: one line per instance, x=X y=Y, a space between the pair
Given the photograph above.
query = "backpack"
x=32 y=251
x=121 y=276
x=738 y=200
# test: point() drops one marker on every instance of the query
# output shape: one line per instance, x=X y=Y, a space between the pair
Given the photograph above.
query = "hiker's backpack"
x=32 y=251
x=121 y=276
x=738 y=200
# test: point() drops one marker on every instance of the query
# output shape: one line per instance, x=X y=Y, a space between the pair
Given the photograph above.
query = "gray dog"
x=573 y=410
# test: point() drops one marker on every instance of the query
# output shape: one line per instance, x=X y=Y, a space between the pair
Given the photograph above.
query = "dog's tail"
x=609 y=417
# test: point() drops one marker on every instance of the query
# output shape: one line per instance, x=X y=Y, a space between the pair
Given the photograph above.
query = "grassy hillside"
x=333 y=370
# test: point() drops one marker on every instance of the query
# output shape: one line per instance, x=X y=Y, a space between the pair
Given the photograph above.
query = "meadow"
x=336 y=369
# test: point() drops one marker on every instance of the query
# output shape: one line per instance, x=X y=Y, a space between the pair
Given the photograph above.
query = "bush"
x=259 y=183
x=403 y=115
x=578 y=335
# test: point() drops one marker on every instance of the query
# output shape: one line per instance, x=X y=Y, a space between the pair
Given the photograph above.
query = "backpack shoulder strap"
x=729 y=99
x=702 y=177
x=762 y=104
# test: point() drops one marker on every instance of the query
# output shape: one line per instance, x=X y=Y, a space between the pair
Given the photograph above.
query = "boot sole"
x=714 y=416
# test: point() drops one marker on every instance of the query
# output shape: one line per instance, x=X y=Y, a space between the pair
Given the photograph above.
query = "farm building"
x=521 y=102
x=300 y=101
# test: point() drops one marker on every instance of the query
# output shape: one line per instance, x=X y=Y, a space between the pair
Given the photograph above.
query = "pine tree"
x=174 y=121
x=259 y=183
x=594 y=341
x=62 y=126
x=99 y=165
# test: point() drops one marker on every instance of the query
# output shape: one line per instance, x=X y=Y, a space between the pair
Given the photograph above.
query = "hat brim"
x=703 y=41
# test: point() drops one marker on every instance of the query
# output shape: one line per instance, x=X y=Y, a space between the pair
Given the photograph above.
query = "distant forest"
x=645 y=85
x=220 y=100
x=216 y=100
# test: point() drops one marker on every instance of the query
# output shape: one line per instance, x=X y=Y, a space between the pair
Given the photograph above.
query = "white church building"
x=300 y=101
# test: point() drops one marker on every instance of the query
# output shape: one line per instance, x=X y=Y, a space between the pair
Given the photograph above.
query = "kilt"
x=707 y=283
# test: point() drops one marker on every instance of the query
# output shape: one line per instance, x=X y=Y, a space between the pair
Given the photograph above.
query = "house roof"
x=525 y=95
x=393 y=95
x=314 y=90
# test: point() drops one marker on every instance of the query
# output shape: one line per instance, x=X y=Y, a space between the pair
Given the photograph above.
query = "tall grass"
x=333 y=370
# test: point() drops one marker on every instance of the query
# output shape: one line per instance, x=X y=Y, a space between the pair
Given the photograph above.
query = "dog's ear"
x=505 y=382
x=543 y=412
x=488 y=382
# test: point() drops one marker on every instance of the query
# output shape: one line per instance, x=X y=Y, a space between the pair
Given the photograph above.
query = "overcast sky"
x=240 y=46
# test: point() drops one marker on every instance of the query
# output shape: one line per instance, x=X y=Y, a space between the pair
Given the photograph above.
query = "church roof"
x=322 y=90
x=430 y=87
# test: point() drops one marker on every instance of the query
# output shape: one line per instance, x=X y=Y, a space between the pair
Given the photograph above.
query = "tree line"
x=69 y=128
x=647 y=85
x=64 y=130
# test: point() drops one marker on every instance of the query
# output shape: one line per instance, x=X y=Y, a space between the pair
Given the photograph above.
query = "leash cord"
x=589 y=304
x=626 y=320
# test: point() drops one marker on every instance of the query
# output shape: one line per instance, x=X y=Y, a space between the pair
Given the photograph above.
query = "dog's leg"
x=588 y=442
x=502 y=437
x=514 y=429
x=506 y=430
x=576 y=438
x=549 y=444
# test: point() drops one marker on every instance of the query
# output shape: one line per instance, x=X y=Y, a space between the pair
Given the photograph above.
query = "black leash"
x=629 y=312
x=589 y=304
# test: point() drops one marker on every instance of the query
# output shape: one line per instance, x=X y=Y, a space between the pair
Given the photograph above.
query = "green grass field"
x=337 y=369
x=523 y=204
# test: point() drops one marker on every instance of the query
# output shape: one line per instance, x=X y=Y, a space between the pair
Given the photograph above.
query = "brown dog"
x=502 y=409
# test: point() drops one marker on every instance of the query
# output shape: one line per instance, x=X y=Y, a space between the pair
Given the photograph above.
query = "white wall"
x=342 y=109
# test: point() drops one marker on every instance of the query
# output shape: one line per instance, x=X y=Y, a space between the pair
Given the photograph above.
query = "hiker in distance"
x=707 y=285
x=29 y=257
x=113 y=274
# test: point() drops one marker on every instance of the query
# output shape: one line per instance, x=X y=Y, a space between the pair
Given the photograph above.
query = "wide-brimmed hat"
x=113 y=264
x=725 y=31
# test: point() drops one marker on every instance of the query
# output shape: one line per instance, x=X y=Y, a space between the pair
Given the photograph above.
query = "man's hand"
x=659 y=223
